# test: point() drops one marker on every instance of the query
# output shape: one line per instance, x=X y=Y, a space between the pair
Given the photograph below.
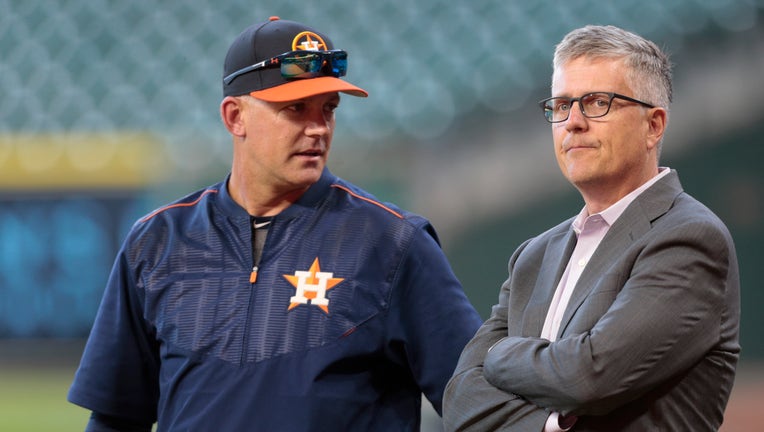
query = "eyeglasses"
x=301 y=64
x=593 y=105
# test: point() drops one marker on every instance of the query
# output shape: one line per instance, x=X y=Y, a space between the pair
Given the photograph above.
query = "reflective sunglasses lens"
x=311 y=65
x=339 y=64
x=302 y=66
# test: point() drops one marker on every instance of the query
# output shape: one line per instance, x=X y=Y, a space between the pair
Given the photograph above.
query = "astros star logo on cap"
x=308 y=41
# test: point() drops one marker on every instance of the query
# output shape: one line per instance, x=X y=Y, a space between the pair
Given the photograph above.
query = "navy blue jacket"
x=354 y=313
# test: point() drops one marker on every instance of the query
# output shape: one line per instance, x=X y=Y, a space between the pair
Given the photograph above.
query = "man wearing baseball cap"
x=282 y=298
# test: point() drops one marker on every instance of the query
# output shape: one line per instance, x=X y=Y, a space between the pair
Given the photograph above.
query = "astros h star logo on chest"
x=312 y=286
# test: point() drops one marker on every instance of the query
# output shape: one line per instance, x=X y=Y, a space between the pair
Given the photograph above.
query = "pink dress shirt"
x=590 y=230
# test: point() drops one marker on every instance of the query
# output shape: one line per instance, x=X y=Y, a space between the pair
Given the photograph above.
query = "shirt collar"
x=612 y=213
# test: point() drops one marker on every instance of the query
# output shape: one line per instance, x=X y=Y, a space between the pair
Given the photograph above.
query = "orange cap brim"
x=303 y=88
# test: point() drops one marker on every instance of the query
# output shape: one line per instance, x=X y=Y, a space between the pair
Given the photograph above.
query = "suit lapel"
x=556 y=256
x=635 y=221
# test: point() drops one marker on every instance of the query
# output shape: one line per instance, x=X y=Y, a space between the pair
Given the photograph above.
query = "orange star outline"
x=312 y=280
x=304 y=41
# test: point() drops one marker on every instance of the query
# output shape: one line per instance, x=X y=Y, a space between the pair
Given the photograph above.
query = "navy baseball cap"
x=256 y=64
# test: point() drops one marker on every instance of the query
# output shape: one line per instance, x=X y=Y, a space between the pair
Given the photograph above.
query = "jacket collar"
x=635 y=221
x=310 y=199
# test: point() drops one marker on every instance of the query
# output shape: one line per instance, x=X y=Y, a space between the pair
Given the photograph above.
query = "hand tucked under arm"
x=472 y=404
x=663 y=320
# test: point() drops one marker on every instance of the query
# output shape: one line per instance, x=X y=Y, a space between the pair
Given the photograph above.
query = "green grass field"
x=34 y=400
x=35 y=377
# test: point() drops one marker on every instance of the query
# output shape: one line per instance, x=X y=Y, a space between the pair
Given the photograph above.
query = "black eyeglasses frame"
x=548 y=112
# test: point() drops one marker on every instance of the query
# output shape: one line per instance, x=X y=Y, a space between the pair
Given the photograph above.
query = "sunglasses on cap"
x=301 y=64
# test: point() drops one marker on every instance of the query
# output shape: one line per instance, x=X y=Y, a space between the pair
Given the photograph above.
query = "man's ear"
x=231 y=110
x=658 y=121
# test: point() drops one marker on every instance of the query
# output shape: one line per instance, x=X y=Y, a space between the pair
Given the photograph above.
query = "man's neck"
x=259 y=200
x=601 y=197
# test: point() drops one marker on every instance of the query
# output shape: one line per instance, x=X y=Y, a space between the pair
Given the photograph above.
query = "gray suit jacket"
x=648 y=342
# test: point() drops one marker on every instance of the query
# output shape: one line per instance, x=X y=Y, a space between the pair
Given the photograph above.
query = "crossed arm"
x=653 y=316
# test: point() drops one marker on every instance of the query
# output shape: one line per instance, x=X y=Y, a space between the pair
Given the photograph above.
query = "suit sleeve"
x=471 y=403
x=665 y=316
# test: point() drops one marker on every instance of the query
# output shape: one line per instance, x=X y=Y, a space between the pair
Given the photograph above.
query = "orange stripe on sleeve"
x=376 y=203
x=188 y=204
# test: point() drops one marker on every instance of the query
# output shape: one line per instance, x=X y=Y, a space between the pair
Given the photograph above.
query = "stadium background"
x=110 y=108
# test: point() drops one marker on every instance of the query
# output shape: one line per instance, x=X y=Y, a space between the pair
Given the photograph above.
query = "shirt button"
x=582 y=262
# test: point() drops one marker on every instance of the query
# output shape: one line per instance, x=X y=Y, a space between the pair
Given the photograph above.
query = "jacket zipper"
x=256 y=257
